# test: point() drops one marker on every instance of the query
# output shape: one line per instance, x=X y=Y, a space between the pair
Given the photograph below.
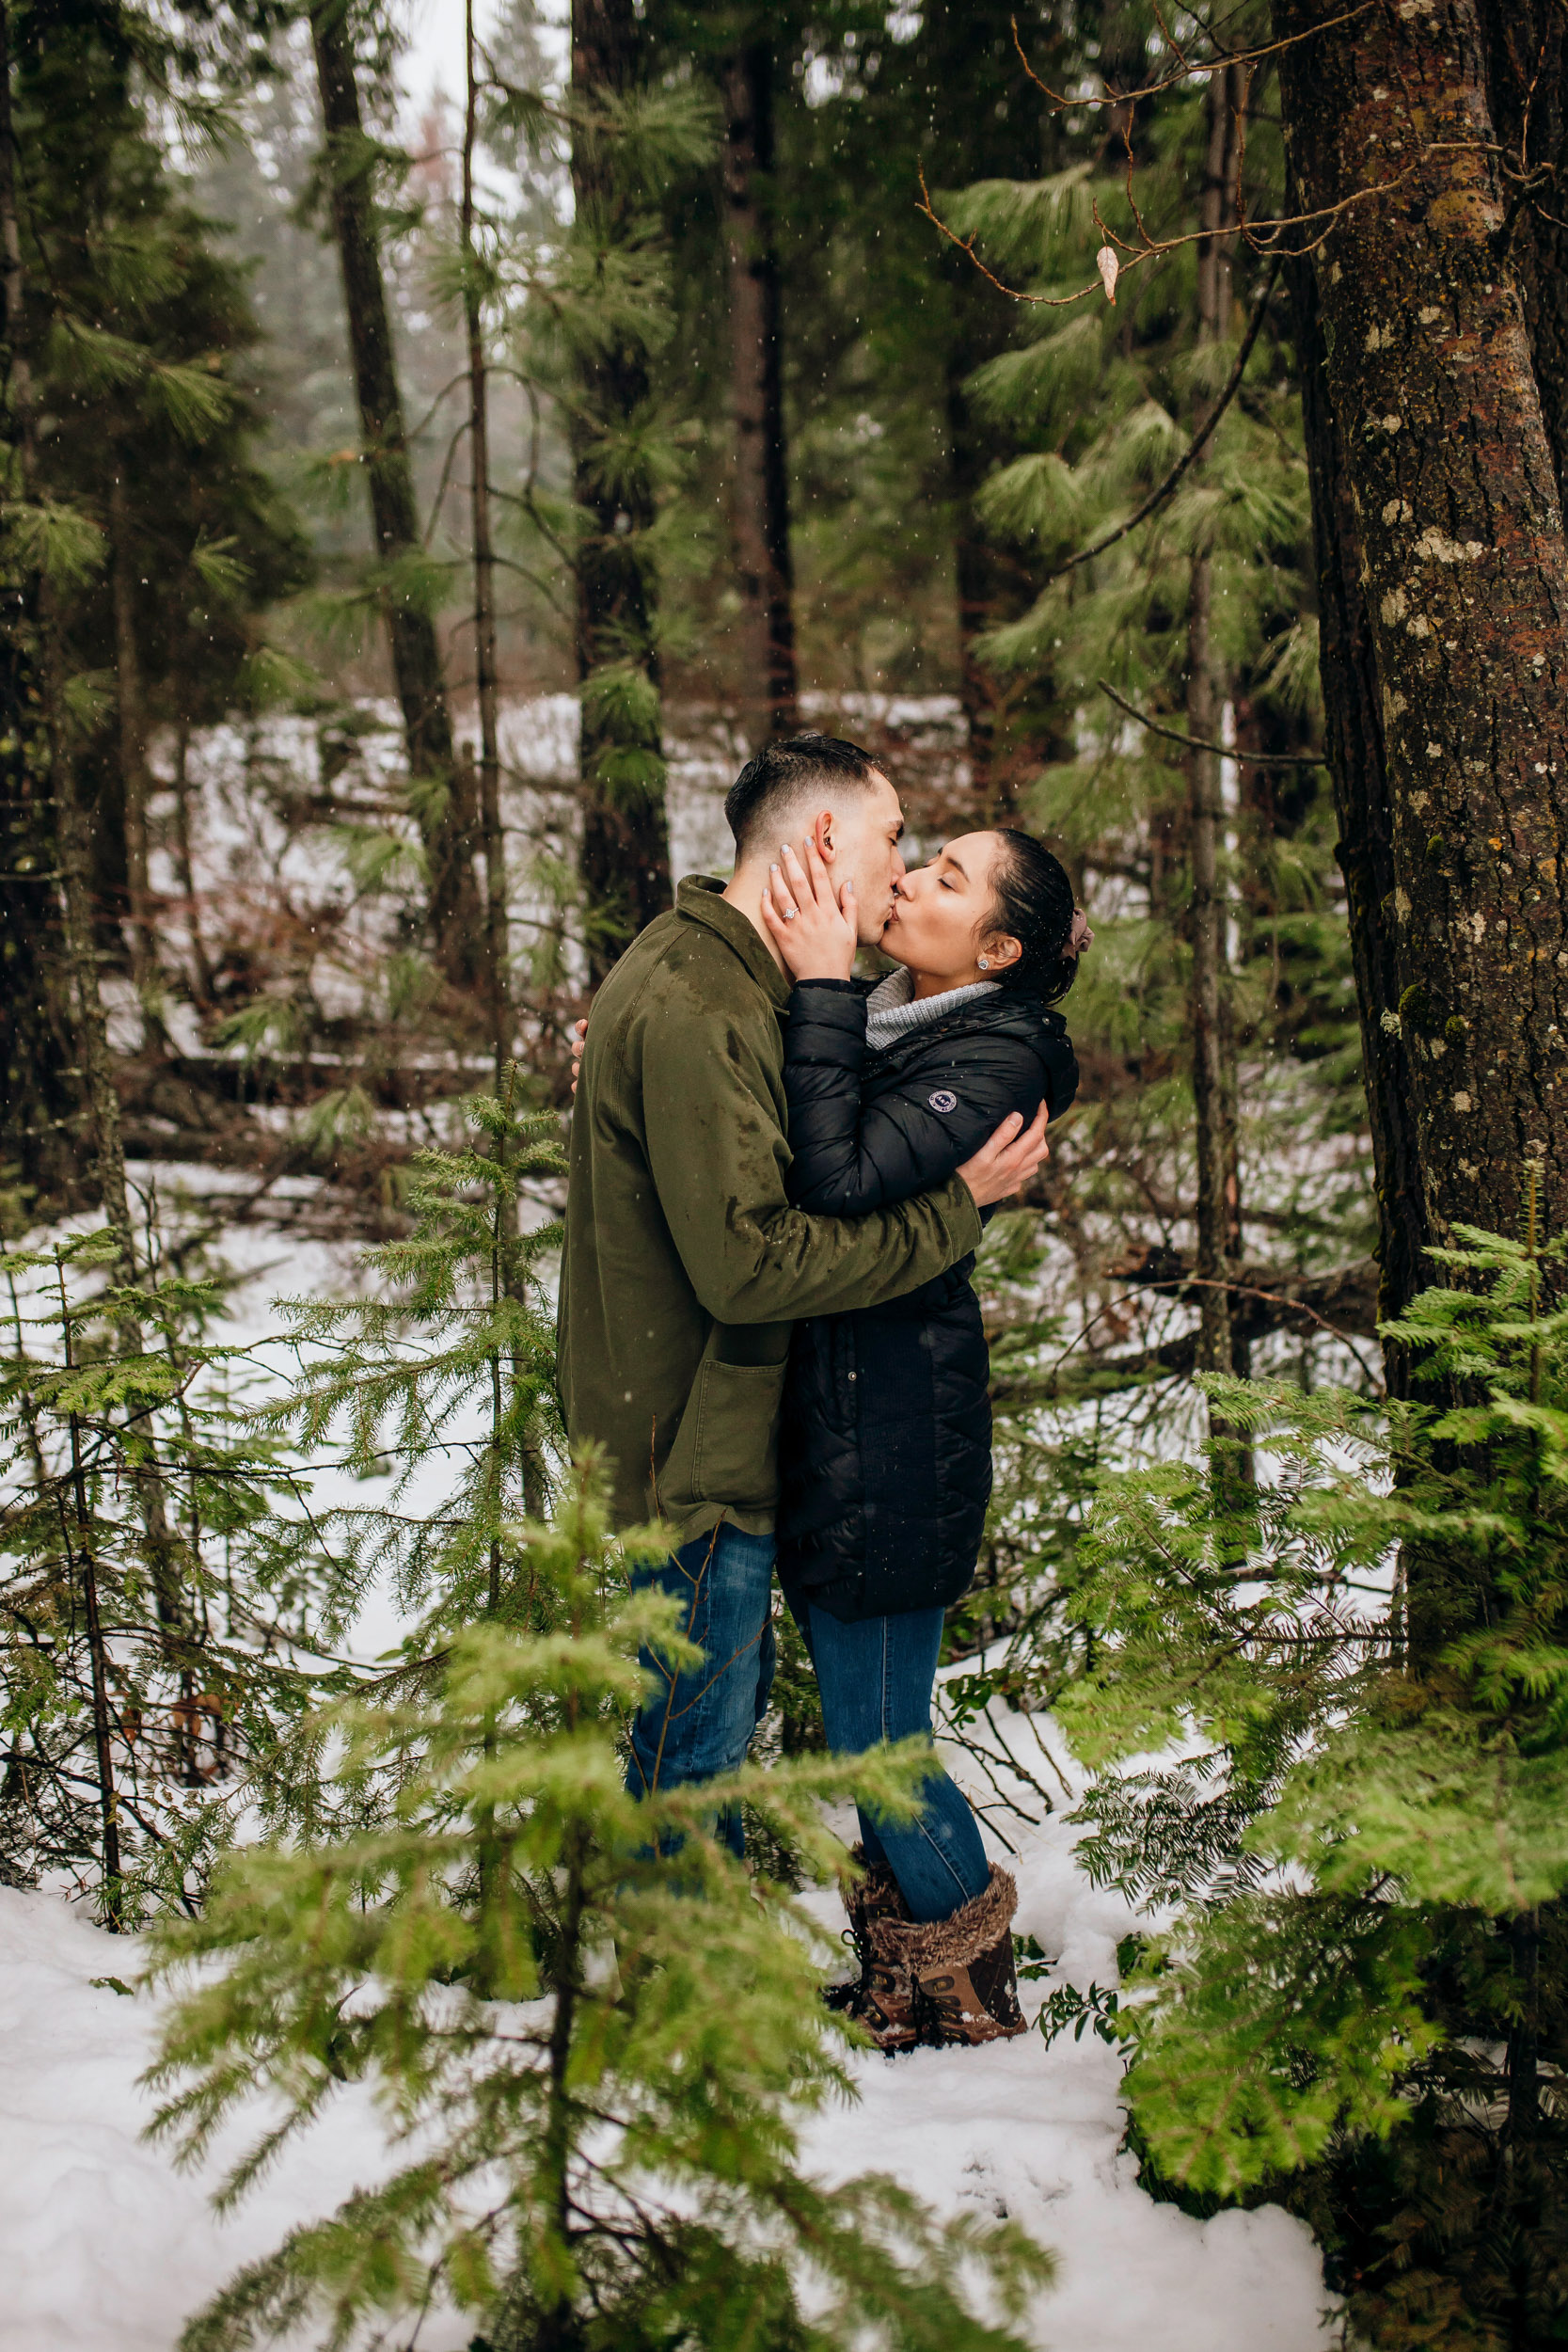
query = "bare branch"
x=1226 y=751
x=1186 y=72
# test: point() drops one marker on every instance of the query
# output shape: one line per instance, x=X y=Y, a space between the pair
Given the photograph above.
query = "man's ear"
x=822 y=834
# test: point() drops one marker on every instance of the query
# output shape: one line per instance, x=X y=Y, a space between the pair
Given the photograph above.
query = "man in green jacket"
x=685 y=1265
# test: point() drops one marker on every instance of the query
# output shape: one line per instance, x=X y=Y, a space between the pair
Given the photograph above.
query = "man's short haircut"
x=783 y=773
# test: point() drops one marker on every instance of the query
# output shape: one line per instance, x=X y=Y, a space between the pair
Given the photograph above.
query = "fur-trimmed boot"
x=961 y=1970
x=881 y=1998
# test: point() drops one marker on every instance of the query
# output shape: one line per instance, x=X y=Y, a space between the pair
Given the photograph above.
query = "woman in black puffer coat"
x=885 y=1441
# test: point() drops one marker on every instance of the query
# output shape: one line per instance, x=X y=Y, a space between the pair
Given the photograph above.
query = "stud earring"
x=985 y=963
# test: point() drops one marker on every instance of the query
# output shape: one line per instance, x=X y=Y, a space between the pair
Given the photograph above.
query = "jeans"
x=876 y=1681
x=699 y=1722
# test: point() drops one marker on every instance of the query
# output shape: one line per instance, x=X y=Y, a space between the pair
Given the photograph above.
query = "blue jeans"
x=699 y=1722
x=876 y=1681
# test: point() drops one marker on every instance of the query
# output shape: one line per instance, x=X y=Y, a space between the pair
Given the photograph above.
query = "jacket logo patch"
x=942 y=1101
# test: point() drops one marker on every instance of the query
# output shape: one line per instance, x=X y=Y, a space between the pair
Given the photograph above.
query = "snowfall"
x=105 y=2246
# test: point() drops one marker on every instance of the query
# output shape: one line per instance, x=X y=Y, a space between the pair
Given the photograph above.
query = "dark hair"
x=1032 y=901
x=781 y=772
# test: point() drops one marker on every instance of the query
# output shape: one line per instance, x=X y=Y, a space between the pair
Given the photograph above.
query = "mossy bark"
x=1447 y=468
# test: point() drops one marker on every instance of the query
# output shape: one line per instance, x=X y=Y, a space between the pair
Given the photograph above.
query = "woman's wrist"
x=824 y=979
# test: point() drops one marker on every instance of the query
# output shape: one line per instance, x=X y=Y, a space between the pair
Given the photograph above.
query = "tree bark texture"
x=131 y=711
x=442 y=785
x=625 y=843
x=71 y=821
x=761 y=509
x=497 y=940
x=41 y=1109
x=1448 y=469
x=38 y=1091
x=1352 y=714
x=1219 y=1233
x=201 y=969
x=1525 y=54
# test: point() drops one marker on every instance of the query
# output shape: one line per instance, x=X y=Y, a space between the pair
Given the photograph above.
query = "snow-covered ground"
x=105 y=2248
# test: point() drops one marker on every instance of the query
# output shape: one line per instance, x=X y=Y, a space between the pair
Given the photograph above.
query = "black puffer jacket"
x=885 y=1443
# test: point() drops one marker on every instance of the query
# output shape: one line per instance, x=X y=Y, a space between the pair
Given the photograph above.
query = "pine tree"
x=616 y=323
x=1360 y=2004
x=749 y=83
x=453 y=1372
x=137 y=337
x=1448 y=820
x=158 y=1641
x=601 y=2058
x=1165 y=667
x=173 y=1601
x=407 y=587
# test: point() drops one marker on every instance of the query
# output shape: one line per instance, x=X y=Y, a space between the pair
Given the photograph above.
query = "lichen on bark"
x=1449 y=470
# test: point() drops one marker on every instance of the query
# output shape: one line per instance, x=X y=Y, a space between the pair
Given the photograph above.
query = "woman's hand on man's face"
x=814 y=929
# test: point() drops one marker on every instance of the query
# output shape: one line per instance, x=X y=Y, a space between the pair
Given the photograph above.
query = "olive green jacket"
x=685 y=1264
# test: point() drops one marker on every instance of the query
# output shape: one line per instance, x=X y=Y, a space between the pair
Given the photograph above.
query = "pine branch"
x=1194 y=447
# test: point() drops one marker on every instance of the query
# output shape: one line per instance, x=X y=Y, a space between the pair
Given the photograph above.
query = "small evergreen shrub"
x=155 y=1637
x=1355 y=1678
x=594 y=2063
x=443 y=1379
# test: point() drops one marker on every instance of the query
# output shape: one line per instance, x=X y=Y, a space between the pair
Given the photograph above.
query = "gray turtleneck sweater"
x=891 y=1011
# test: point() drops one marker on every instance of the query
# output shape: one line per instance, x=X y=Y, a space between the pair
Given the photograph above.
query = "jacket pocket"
x=727 y=1446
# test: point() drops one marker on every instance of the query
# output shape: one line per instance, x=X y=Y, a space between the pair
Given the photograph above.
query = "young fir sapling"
x=595 y=2061
x=451 y=1370
x=1362 y=1662
x=156 y=1619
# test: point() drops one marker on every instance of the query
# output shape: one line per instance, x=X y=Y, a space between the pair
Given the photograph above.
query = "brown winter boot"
x=881 y=1998
x=961 y=1970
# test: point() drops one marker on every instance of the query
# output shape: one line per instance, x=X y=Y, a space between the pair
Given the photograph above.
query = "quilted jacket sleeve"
x=848 y=1158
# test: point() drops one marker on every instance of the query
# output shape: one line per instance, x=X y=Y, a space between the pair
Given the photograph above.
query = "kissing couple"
x=778 y=1175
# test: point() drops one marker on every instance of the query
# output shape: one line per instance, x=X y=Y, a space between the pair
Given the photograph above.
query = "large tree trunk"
x=1219 y=1222
x=498 y=947
x=38 y=1091
x=626 y=844
x=80 y=961
x=1352 y=714
x=1449 y=466
x=761 y=512
x=41 y=1111
x=441 y=785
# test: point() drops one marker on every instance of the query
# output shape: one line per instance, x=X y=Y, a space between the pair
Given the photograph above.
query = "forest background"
x=1145 y=425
